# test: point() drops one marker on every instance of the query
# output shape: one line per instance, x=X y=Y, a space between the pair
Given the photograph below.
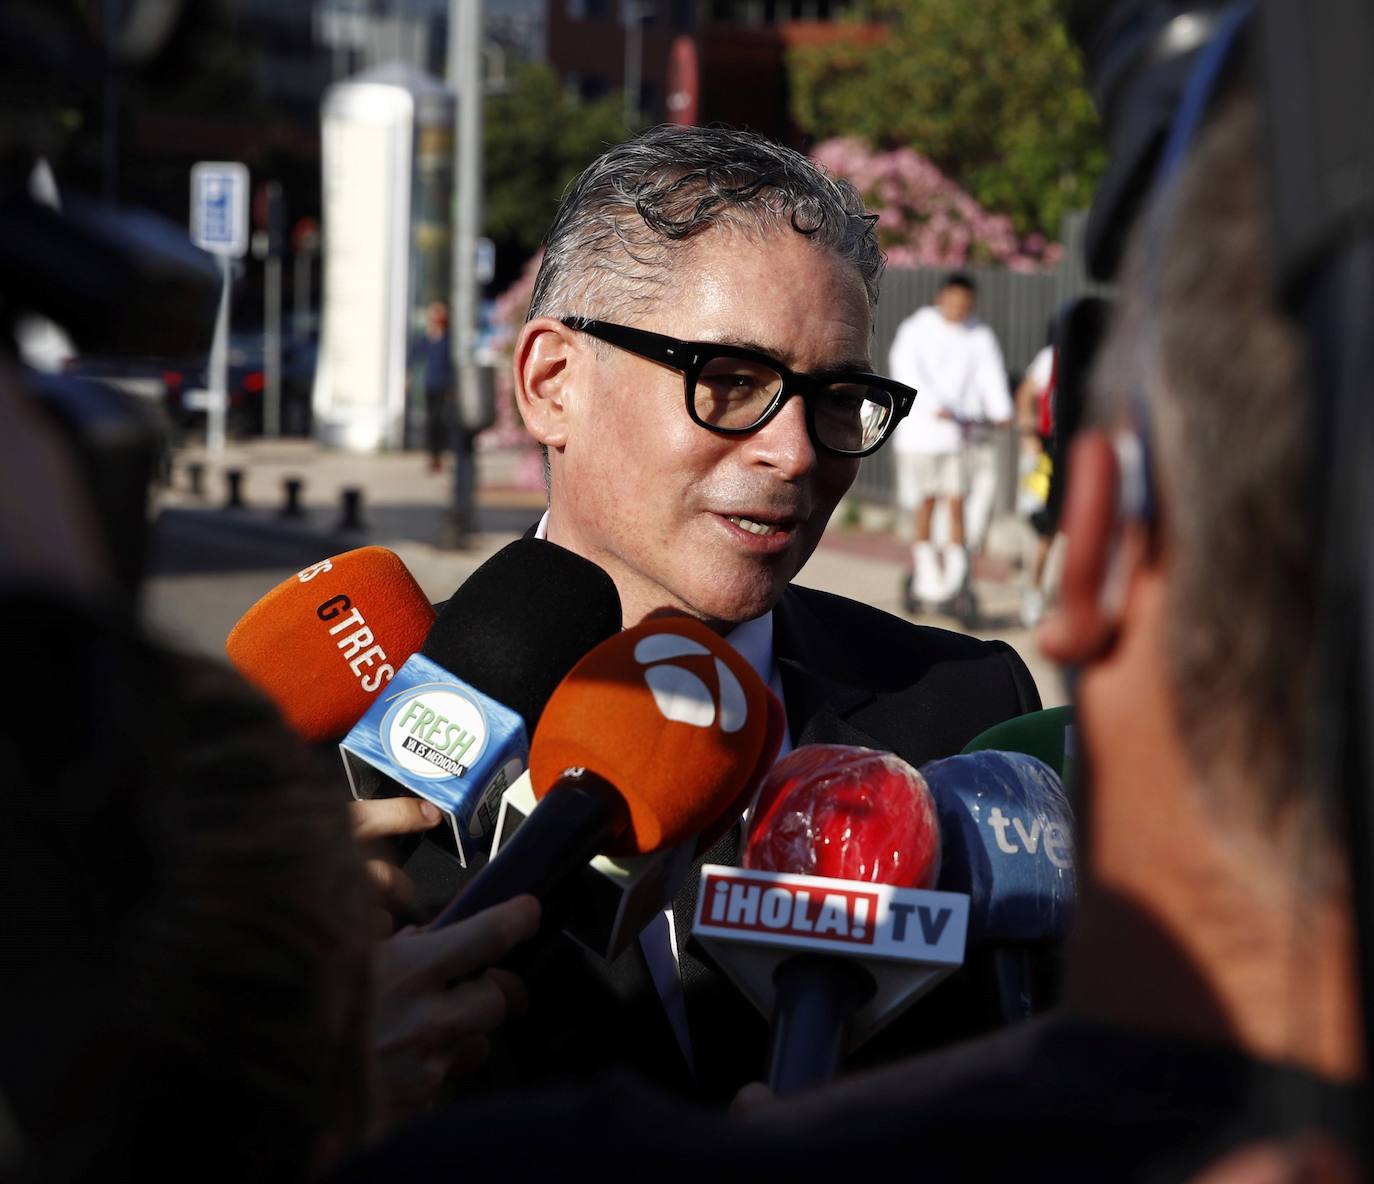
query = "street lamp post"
x=464 y=76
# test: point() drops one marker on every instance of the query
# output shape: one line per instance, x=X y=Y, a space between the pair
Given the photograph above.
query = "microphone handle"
x=817 y=995
x=1015 y=983
x=579 y=815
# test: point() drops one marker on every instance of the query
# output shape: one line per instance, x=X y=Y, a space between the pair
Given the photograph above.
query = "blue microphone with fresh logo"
x=453 y=725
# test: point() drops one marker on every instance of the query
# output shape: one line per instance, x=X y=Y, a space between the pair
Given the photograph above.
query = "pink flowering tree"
x=924 y=218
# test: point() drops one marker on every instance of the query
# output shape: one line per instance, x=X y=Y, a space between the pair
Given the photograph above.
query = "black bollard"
x=351 y=501
x=233 y=480
x=292 y=487
x=195 y=472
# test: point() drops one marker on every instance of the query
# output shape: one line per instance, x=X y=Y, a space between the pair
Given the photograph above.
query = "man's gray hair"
x=631 y=215
x=1229 y=406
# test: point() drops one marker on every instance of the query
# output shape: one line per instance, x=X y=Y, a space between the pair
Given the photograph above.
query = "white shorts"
x=922 y=475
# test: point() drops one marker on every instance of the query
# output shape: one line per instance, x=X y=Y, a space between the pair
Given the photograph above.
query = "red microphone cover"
x=671 y=716
x=323 y=642
x=848 y=813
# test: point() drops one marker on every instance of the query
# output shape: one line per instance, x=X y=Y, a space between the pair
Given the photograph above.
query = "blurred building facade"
x=698 y=61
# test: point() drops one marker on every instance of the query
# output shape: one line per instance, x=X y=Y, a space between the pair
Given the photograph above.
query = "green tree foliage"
x=536 y=140
x=991 y=91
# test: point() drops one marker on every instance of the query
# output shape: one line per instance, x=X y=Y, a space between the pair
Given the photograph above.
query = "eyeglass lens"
x=734 y=393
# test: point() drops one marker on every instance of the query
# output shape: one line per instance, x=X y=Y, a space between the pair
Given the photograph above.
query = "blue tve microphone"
x=453 y=725
x=1007 y=832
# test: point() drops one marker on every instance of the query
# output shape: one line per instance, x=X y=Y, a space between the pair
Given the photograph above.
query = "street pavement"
x=209 y=562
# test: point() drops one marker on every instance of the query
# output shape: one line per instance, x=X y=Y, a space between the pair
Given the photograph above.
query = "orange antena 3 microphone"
x=614 y=896
x=325 y=641
x=649 y=740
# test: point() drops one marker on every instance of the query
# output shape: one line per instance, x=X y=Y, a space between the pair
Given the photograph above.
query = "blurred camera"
x=119 y=283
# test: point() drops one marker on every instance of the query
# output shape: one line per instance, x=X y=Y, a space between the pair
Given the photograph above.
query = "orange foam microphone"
x=648 y=741
x=325 y=641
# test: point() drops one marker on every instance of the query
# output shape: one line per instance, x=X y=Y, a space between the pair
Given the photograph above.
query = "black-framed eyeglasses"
x=734 y=391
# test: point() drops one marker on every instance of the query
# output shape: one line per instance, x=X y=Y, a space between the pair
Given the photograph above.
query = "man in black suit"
x=693 y=282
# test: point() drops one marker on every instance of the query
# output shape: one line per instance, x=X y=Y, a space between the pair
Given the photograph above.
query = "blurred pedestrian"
x=1034 y=410
x=953 y=359
x=436 y=361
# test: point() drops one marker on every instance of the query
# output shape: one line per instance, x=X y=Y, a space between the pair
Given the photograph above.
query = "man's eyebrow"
x=863 y=365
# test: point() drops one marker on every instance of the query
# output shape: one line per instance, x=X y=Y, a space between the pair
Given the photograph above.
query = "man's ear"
x=1085 y=621
x=543 y=364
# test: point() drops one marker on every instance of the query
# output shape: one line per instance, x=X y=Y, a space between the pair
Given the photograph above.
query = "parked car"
x=188 y=393
x=146 y=379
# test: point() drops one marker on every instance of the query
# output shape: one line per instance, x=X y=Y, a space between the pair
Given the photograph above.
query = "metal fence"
x=1018 y=306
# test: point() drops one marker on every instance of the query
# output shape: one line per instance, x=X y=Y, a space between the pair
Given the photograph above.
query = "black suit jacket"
x=851 y=674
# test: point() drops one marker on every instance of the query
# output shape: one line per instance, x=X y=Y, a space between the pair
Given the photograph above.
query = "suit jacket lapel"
x=818 y=706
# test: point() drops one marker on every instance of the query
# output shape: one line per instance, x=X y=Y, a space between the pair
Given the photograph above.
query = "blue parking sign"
x=219 y=207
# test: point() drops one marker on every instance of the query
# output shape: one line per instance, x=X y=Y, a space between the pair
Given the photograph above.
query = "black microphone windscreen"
x=521 y=621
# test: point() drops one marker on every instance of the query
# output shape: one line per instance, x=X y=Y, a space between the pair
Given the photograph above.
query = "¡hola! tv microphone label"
x=815 y=913
x=434 y=732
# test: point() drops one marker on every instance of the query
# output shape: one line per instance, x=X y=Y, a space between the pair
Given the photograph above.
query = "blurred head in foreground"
x=185 y=979
x=1189 y=611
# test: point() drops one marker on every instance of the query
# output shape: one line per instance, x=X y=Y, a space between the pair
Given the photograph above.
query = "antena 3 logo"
x=434 y=732
x=681 y=693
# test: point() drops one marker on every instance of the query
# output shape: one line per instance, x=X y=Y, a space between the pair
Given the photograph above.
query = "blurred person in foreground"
x=190 y=983
x=184 y=979
x=1210 y=994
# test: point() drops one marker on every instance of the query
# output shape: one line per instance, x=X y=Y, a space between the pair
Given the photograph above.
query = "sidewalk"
x=404 y=506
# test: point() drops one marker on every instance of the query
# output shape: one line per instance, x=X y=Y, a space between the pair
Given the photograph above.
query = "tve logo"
x=681 y=693
x=1042 y=834
x=1008 y=843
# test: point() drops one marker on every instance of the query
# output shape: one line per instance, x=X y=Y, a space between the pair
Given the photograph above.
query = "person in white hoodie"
x=953 y=359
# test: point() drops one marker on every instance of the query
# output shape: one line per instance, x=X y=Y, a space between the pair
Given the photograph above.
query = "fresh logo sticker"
x=434 y=732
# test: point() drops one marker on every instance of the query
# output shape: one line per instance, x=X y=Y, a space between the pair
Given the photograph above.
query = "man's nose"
x=783 y=443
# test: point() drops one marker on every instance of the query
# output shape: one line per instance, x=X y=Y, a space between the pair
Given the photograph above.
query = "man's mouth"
x=754 y=526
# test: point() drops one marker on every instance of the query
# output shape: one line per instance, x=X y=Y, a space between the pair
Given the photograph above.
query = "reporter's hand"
x=384 y=818
x=437 y=996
